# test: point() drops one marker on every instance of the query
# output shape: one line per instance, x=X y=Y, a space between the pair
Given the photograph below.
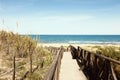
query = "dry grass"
x=109 y=51
x=22 y=46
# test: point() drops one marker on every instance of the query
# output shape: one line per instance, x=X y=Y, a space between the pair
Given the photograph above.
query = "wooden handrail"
x=102 y=56
x=107 y=58
x=97 y=66
x=99 y=55
x=53 y=71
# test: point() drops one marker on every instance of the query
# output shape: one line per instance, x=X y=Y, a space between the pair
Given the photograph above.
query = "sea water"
x=81 y=39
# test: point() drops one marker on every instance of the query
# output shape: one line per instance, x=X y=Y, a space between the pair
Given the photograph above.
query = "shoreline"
x=75 y=44
x=89 y=47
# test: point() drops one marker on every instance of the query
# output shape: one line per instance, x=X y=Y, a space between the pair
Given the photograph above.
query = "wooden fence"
x=96 y=66
x=53 y=71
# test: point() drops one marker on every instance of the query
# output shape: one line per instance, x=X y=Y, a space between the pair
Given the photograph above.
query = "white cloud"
x=64 y=24
x=66 y=18
x=42 y=24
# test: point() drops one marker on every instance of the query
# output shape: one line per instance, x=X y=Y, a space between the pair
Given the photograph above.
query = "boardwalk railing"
x=53 y=71
x=96 y=66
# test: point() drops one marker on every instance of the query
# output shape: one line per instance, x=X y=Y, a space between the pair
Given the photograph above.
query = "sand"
x=76 y=45
x=89 y=47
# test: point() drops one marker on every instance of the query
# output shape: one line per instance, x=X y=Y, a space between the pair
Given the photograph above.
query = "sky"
x=60 y=16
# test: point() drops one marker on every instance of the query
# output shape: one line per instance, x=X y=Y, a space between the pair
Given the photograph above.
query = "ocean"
x=81 y=39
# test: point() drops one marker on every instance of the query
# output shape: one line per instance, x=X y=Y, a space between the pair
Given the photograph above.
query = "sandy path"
x=70 y=69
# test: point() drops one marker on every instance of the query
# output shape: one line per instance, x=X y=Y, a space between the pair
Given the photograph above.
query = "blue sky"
x=60 y=16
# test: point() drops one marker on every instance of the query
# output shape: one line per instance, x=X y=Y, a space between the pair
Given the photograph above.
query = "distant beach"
x=76 y=45
x=84 y=41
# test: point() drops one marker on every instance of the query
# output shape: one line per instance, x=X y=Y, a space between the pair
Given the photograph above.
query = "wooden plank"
x=69 y=69
x=52 y=71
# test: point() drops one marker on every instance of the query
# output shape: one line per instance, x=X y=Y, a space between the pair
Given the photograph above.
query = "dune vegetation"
x=21 y=55
x=111 y=52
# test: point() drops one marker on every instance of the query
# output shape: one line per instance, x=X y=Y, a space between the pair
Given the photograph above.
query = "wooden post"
x=112 y=71
x=30 y=65
x=30 y=57
x=81 y=54
x=14 y=67
x=97 y=66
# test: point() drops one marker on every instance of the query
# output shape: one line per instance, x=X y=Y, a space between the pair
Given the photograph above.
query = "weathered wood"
x=97 y=66
x=104 y=57
x=69 y=69
x=81 y=54
x=112 y=70
x=53 y=71
x=73 y=52
x=14 y=67
x=30 y=75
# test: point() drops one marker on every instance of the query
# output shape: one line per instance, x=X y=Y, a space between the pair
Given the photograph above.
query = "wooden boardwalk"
x=69 y=69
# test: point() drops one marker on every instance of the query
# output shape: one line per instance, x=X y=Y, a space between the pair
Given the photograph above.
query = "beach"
x=82 y=45
x=90 y=47
x=93 y=44
x=84 y=41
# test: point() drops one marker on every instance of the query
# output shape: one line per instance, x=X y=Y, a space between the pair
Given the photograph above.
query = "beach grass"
x=22 y=47
x=112 y=52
